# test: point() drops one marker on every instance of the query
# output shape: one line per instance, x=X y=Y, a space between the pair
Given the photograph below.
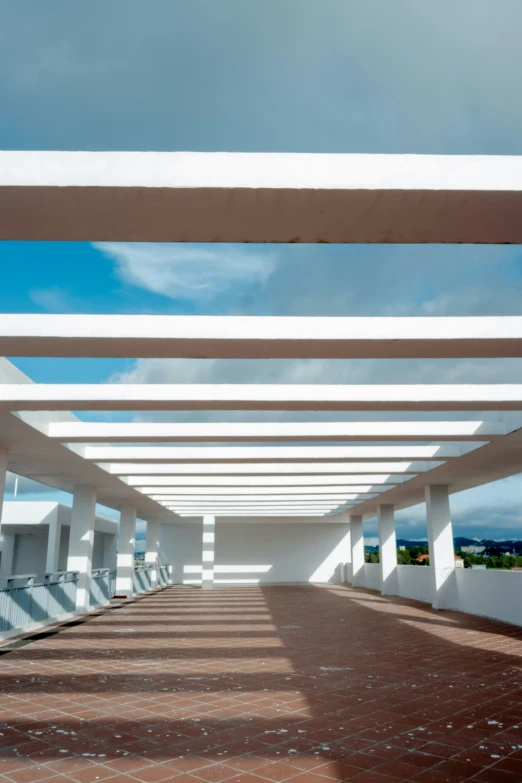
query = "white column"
x=347 y=556
x=357 y=536
x=152 y=548
x=3 y=471
x=440 y=543
x=207 y=554
x=126 y=549
x=53 y=545
x=8 y=548
x=81 y=542
x=387 y=550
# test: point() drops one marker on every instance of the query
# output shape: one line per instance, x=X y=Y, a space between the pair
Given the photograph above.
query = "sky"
x=385 y=76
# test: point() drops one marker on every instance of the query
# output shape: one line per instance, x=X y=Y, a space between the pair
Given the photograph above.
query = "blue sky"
x=266 y=75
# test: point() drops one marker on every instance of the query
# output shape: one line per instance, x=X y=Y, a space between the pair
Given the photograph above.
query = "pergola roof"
x=300 y=473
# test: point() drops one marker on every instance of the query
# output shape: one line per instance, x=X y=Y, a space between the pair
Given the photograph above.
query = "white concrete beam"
x=386 y=472
x=357 y=483
x=273 y=453
x=249 y=516
x=259 y=197
x=136 y=432
x=157 y=493
x=164 y=396
x=257 y=497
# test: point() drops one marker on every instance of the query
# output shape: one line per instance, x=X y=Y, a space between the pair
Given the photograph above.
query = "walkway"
x=253 y=685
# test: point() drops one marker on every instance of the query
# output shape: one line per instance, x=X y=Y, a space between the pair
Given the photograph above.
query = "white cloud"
x=191 y=272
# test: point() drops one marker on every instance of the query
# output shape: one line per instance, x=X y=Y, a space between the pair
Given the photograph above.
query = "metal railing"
x=142 y=578
x=164 y=575
x=103 y=586
x=36 y=598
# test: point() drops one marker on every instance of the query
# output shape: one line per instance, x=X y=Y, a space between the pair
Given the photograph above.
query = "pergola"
x=279 y=471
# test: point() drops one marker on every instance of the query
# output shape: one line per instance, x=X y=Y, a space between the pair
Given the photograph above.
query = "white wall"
x=496 y=594
x=30 y=552
x=259 y=552
x=372 y=576
x=415 y=582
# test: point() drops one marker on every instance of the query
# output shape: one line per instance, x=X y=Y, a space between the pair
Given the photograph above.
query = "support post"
x=207 y=555
x=440 y=543
x=126 y=550
x=346 y=575
x=53 y=544
x=387 y=550
x=152 y=549
x=81 y=542
x=357 y=536
x=8 y=548
x=3 y=472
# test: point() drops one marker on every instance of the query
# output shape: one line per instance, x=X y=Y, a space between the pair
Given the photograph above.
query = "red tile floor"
x=264 y=685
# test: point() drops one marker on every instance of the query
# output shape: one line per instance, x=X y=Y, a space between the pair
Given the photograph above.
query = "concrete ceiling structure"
x=228 y=197
x=259 y=197
x=300 y=473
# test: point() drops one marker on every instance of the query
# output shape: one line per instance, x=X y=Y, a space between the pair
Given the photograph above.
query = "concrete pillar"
x=207 y=555
x=81 y=542
x=387 y=550
x=357 y=536
x=126 y=549
x=440 y=543
x=3 y=471
x=53 y=545
x=346 y=576
x=8 y=548
x=152 y=549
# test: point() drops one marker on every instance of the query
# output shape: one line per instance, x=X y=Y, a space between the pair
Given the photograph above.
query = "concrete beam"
x=265 y=468
x=355 y=483
x=272 y=453
x=158 y=492
x=135 y=432
x=259 y=197
x=259 y=337
x=163 y=396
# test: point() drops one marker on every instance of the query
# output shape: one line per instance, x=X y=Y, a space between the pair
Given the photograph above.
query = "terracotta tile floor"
x=253 y=685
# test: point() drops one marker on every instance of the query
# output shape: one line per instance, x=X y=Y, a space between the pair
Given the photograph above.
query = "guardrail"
x=103 y=586
x=142 y=578
x=164 y=575
x=31 y=599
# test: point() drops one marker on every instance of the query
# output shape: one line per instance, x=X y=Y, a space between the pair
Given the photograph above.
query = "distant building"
x=422 y=558
x=473 y=549
x=459 y=562
x=402 y=549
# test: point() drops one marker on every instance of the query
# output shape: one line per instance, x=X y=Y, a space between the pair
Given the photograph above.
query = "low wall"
x=490 y=593
x=372 y=576
x=415 y=582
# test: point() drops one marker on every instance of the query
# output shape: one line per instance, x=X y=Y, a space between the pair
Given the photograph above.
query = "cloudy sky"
x=391 y=76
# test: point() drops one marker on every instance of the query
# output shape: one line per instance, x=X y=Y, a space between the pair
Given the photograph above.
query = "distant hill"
x=459 y=541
